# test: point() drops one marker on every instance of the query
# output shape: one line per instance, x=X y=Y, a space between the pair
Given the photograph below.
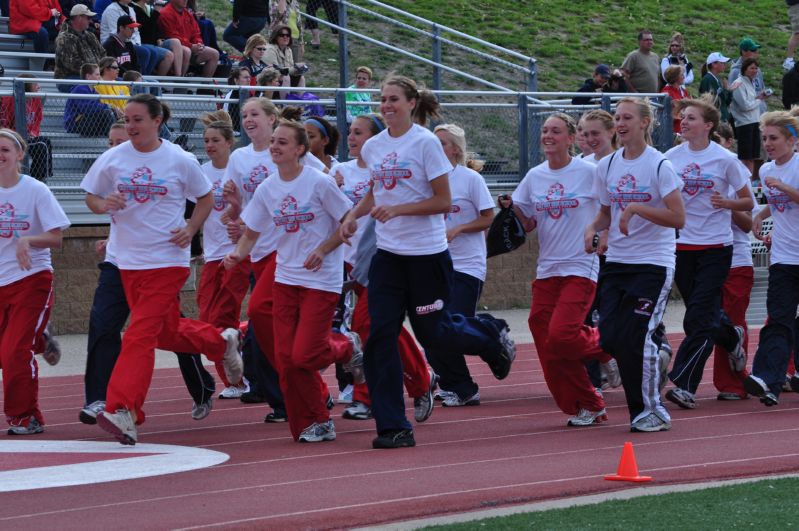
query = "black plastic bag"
x=505 y=234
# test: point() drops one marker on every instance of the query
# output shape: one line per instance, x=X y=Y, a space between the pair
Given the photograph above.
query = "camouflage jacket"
x=73 y=49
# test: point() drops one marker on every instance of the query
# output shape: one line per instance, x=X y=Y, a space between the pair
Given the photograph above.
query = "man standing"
x=176 y=22
x=641 y=67
x=76 y=46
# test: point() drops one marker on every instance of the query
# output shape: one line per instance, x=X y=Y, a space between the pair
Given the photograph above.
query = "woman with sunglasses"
x=279 y=55
x=253 y=59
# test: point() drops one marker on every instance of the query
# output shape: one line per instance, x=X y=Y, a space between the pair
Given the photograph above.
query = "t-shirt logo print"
x=557 y=202
x=694 y=182
x=357 y=192
x=454 y=209
x=291 y=215
x=141 y=187
x=219 y=199
x=11 y=222
x=777 y=199
x=257 y=175
x=627 y=191
x=391 y=172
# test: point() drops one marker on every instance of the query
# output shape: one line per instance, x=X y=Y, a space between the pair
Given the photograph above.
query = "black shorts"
x=748 y=137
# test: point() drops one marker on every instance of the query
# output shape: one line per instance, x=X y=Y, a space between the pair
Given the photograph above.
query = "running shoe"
x=357 y=411
x=738 y=355
x=755 y=386
x=234 y=367
x=345 y=396
x=26 y=426
x=453 y=400
x=786 y=385
x=423 y=405
x=200 y=411
x=52 y=349
x=725 y=396
x=235 y=391
x=394 y=439
x=440 y=395
x=120 y=424
x=355 y=365
x=88 y=415
x=585 y=417
x=276 y=416
x=682 y=398
x=649 y=424
x=610 y=372
x=318 y=432
x=793 y=383
x=500 y=366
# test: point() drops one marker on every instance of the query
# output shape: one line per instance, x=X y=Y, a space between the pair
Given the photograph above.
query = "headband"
x=791 y=130
x=316 y=123
x=19 y=146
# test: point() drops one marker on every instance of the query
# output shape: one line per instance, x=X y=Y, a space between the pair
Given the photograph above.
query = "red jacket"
x=33 y=111
x=26 y=16
x=181 y=26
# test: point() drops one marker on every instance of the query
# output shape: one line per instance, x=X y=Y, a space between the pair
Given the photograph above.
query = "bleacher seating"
x=16 y=53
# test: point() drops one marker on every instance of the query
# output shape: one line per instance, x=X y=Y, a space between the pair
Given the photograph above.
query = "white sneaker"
x=585 y=417
x=120 y=424
x=88 y=415
x=788 y=63
x=318 y=432
x=200 y=411
x=610 y=372
x=355 y=365
x=52 y=349
x=649 y=424
x=235 y=391
x=345 y=396
x=234 y=367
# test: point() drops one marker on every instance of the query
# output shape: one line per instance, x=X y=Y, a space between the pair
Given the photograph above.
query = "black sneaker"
x=394 y=439
x=276 y=416
x=755 y=386
x=500 y=365
x=252 y=397
x=794 y=383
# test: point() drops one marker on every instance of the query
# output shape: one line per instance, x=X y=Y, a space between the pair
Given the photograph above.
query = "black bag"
x=505 y=234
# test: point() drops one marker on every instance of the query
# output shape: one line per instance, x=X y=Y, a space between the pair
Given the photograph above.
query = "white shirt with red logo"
x=784 y=211
x=713 y=169
x=26 y=209
x=621 y=182
x=355 y=187
x=470 y=195
x=156 y=186
x=741 y=243
x=401 y=170
x=562 y=202
x=216 y=243
x=304 y=213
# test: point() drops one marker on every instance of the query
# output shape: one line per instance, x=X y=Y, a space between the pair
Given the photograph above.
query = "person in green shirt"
x=711 y=82
x=363 y=79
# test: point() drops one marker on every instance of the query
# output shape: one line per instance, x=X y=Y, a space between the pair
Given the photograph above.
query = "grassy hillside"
x=568 y=37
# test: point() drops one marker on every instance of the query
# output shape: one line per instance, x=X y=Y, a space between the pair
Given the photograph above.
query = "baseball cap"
x=748 y=45
x=80 y=9
x=716 y=57
x=127 y=22
x=603 y=70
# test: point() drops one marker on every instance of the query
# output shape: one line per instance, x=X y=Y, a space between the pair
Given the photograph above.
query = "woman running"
x=412 y=270
x=704 y=247
x=780 y=132
x=144 y=184
x=639 y=194
x=303 y=207
x=31 y=223
x=324 y=140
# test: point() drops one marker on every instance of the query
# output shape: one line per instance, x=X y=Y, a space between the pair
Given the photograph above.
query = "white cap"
x=716 y=57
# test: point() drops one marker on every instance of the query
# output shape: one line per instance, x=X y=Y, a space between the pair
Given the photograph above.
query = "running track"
x=514 y=448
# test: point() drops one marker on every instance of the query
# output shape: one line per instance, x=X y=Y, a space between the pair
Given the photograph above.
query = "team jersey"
x=784 y=211
x=216 y=243
x=155 y=186
x=355 y=187
x=28 y=208
x=470 y=195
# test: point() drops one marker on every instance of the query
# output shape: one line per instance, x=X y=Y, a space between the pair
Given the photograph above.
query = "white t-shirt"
x=470 y=195
x=216 y=243
x=784 y=211
x=714 y=169
x=642 y=180
x=562 y=202
x=26 y=209
x=355 y=187
x=401 y=170
x=248 y=168
x=304 y=212
x=741 y=243
x=156 y=186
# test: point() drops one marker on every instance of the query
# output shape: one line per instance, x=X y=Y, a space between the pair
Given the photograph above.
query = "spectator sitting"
x=270 y=78
x=676 y=56
x=254 y=51
x=76 y=46
x=39 y=20
x=153 y=59
x=287 y=13
x=39 y=147
x=150 y=33
x=790 y=87
x=249 y=18
x=279 y=55
x=675 y=77
x=109 y=70
x=177 y=22
x=363 y=80
x=239 y=76
x=207 y=29
x=593 y=84
x=88 y=117
x=119 y=47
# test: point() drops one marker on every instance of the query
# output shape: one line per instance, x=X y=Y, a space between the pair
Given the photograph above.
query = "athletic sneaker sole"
x=114 y=430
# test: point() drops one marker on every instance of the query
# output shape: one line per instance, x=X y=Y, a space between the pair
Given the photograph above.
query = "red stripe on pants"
x=219 y=297
x=735 y=295
x=24 y=310
x=303 y=319
x=155 y=321
x=414 y=365
x=563 y=341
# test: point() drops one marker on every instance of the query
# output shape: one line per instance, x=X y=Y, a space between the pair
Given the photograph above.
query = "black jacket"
x=790 y=87
x=123 y=52
x=588 y=86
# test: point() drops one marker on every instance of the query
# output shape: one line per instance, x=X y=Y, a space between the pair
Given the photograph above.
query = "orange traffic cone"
x=628 y=468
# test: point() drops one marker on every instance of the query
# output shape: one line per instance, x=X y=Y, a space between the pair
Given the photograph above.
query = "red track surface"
x=514 y=448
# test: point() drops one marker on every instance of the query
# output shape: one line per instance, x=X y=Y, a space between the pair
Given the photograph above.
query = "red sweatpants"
x=24 y=311
x=303 y=319
x=734 y=301
x=414 y=364
x=219 y=297
x=155 y=321
x=563 y=341
x=259 y=308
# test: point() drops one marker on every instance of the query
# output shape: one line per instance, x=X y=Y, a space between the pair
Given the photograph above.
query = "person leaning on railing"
x=88 y=117
x=279 y=55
